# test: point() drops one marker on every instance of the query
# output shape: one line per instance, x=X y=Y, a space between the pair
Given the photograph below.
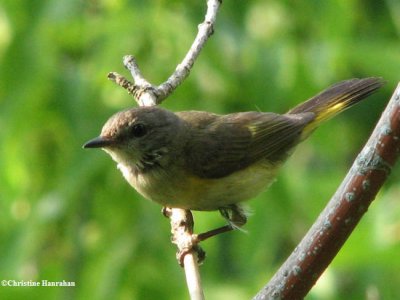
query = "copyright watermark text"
x=16 y=283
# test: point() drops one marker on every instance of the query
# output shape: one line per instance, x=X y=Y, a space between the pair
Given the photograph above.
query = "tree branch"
x=147 y=94
x=343 y=212
x=182 y=235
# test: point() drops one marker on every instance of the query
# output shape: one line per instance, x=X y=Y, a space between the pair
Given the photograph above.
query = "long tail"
x=336 y=99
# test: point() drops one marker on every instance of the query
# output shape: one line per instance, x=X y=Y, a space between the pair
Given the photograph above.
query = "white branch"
x=206 y=29
x=147 y=94
x=182 y=235
x=193 y=278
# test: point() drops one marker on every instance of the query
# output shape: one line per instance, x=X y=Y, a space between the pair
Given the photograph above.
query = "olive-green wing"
x=221 y=145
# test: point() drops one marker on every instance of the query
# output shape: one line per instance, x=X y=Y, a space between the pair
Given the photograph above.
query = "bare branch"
x=153 y=95
x=193 y=276
x=131 y=64
x=206 y=29
x=343 y=212
x=123 y=82
x=147 y=94
x=189 y=253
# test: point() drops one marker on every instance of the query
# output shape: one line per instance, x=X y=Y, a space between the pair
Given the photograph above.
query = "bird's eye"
x=138 y=130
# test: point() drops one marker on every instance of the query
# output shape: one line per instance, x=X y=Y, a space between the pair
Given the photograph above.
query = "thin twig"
x=123 y=82
x=328 y=234
x=206 y=29
x=182 y=235
x=193 y=276
x=149 y=94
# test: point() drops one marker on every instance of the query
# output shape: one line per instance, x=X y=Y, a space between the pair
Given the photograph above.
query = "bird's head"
x=140 y=137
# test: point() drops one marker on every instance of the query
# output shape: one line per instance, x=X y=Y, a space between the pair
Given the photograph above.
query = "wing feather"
x=221 y=145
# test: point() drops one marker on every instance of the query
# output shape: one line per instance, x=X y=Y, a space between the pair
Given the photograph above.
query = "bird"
x=203 y=161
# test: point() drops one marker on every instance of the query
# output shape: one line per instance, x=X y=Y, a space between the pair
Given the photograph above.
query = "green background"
x=67 y=214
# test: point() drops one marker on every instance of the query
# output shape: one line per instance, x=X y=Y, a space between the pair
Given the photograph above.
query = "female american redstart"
x=203 y=161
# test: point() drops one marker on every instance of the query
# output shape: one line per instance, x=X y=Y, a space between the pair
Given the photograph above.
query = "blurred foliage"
x=67 y=214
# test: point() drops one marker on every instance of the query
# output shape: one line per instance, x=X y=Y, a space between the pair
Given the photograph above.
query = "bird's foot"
x=182 y=252
x=188 y=242
x=182 y=234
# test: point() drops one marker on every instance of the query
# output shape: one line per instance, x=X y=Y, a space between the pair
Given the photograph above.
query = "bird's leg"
x=234 y=214
x=188 y=241
x=206 y=235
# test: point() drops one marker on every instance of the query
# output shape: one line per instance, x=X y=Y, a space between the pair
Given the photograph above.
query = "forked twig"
x=147 y=94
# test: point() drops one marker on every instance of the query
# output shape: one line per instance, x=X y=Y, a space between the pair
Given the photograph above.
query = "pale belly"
x=190 y=192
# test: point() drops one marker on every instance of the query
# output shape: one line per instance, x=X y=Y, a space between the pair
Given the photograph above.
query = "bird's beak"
x=99 y=142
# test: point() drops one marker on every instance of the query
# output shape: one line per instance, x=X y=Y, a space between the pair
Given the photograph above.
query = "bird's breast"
x=177 y=188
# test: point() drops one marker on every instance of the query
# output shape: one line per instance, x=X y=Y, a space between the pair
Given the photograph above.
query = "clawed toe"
x=201 y=254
